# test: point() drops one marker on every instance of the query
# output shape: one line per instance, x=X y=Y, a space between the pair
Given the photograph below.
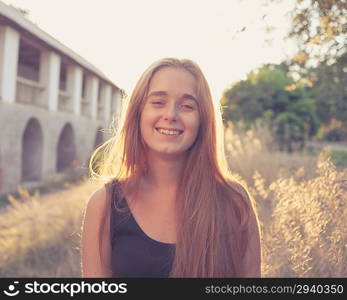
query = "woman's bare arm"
x=94 y=264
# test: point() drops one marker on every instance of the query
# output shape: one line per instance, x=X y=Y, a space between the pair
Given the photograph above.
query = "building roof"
x=12 y=17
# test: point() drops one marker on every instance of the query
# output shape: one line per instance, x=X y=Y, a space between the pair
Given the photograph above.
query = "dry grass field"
x=40 y=235
x=301 y=202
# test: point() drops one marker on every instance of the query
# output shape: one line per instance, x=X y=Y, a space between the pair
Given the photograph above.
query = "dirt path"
x=336 y=146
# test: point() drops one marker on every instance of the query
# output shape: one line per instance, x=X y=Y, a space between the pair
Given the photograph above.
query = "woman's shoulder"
x=97 y=200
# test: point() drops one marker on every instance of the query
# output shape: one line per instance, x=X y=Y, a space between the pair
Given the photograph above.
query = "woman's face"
x=171 y=103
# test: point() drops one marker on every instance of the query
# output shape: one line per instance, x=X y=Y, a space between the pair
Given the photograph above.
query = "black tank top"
x=134 y=253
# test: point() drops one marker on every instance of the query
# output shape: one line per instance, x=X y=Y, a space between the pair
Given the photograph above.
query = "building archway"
x=32 y=144
x=66 y=152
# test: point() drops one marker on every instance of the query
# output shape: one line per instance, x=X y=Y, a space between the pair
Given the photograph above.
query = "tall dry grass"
x=40 y=235
x=301 y=204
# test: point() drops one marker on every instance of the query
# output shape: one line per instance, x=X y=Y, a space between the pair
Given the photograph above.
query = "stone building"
x=53 y=104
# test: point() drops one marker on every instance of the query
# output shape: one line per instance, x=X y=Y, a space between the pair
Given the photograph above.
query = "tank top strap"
x=119 y=211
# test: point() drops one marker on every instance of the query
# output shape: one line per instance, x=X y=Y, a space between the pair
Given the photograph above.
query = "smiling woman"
x=170 y=206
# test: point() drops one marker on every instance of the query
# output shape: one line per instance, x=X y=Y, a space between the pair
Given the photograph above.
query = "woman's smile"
x=171 y=135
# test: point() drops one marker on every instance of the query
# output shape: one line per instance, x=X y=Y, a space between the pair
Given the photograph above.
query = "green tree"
x=247 y=99
x=270 y=94
x=330 y=90
x=297 y=124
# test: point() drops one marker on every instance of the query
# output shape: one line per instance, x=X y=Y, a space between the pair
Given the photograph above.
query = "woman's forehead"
x=174 y=80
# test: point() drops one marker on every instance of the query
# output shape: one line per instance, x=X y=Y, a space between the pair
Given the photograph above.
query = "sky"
x=123 y=37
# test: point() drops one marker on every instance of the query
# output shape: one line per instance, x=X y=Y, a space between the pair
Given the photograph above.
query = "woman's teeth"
x=168 y=132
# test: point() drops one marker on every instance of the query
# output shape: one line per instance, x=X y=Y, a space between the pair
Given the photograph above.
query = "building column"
x=118 y=104
x=9 y=49
x=92 y=94
x=107 y=102
x=49 y=78
x=75 y=87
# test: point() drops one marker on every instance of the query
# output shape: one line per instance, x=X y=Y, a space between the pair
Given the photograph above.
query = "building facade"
x=54 y=104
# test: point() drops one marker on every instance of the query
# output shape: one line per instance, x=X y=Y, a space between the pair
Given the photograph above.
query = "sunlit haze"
x=122 y=38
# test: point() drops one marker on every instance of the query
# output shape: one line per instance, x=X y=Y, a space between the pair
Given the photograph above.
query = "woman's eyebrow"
x=157 y=93
x=163 y=93
x=189 y=96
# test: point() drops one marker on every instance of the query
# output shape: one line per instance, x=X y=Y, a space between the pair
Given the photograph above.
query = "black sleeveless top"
x=134 y=253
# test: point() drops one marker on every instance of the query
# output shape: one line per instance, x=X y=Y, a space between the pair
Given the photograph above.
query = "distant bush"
x=334 y=135
x=334 y=131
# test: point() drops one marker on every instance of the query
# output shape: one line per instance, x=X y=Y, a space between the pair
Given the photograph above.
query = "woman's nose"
x=171 y=112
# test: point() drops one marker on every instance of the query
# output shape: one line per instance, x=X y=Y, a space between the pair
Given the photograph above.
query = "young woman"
x=170 y=206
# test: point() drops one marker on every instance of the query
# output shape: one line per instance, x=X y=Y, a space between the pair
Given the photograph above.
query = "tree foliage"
x=270 y=94
x=320 y=29
x=330 y=90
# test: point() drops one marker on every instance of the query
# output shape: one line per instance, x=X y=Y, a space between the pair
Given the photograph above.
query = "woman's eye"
x=186 y=106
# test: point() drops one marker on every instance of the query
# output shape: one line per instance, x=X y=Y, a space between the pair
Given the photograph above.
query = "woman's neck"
x=163 y=172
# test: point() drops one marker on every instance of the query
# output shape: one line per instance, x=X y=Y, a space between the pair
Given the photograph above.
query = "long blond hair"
x=212 y=207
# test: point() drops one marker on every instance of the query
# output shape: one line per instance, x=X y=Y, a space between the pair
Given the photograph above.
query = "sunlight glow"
x=227 y=38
